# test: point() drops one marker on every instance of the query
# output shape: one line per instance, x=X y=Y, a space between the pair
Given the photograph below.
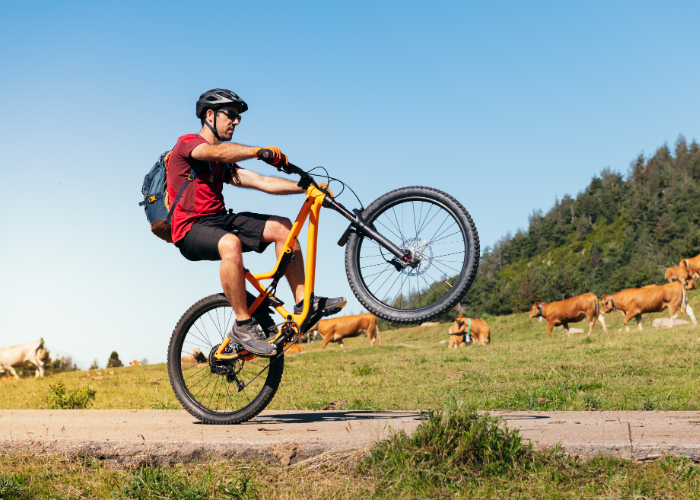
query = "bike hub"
x=420 y=256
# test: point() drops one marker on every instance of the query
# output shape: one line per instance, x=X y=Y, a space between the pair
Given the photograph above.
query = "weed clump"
x=12 y=488
x=364 y=370
x=155 y=482
x=62 y=398
x=452 y=445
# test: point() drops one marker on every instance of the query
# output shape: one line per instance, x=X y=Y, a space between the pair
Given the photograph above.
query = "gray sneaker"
x=252 y=339
x=326 y=306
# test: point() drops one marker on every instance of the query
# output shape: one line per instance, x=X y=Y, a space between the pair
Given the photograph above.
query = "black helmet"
x=218 y=98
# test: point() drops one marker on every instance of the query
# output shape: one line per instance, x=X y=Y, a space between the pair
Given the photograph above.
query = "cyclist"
x=202 y=228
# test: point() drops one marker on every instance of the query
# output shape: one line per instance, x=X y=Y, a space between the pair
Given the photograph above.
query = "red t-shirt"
x=203 y=196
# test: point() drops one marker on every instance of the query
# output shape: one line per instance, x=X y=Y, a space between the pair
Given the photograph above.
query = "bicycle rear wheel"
x=217 y=392
x=439 y=232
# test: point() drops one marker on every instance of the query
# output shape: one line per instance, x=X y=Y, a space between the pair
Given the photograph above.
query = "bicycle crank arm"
x=358 y=225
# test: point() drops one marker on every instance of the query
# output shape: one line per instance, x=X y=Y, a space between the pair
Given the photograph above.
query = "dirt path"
x=128 y=437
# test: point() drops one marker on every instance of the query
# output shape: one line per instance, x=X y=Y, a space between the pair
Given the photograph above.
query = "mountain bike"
x=411 y=255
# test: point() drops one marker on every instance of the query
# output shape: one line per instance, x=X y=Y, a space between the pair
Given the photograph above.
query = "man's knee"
x=230 y=248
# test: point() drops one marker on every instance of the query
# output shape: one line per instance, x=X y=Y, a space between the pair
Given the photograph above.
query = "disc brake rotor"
x=422 y=251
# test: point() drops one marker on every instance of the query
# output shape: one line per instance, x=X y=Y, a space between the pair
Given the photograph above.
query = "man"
x=203 y=230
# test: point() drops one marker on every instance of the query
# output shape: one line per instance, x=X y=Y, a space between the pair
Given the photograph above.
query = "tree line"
x=620 y=232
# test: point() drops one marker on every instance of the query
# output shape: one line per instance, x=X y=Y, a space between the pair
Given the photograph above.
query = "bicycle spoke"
x=398 y=226
x=375 y=265
x=445 y=255
x=219 y=329
x=389 y=268
x=440 y=239
x=392 y=232
x=452 y=268
x=439 y=236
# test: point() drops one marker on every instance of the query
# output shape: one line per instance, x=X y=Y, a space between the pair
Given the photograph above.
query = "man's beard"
x=226 y=136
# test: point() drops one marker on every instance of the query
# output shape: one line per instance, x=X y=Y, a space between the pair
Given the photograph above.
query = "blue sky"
x=505 y=105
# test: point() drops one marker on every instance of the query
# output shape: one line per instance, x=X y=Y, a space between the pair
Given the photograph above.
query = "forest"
x=621 y=231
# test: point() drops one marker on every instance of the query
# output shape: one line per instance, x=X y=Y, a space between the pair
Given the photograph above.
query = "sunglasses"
x=232 y=115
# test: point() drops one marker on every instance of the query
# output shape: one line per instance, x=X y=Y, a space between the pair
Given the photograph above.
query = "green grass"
x=656 y=369
x=455 y=453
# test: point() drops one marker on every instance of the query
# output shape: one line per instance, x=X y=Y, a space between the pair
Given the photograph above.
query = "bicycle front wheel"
x=217 y=392
x=441 y=235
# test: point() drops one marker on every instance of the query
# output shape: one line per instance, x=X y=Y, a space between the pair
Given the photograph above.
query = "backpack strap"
x=152 y=199
x=190 y=178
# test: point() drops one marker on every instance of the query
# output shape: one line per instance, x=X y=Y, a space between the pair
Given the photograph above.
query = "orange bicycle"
x=410 y=257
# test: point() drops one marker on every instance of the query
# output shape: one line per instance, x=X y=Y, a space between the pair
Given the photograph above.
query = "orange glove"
x=272 y=156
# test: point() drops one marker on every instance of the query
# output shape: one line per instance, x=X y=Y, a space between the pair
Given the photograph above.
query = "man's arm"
x=227 y=152
x=272 y=185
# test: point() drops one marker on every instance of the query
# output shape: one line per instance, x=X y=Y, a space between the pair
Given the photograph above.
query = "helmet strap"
x=213 y=129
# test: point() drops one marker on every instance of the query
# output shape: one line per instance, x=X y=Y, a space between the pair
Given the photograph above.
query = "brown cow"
x=568 y=311
x=693 y=263
x=337 y=329
x=480 y=333
x=680 y=273
x=194 y=358
x=691 y=285
x=295 y=349
x=651 y=298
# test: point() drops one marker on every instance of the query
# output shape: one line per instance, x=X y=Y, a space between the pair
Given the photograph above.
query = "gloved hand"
x=272 y=156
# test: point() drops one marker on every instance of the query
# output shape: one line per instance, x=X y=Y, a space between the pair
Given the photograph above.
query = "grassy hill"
x=621 y=231
x=413 y=369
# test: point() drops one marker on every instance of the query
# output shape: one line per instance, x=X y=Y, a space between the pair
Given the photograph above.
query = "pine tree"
x=114 y=361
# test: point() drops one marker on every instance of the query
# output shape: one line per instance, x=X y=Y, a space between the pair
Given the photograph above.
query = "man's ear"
x=210 y=115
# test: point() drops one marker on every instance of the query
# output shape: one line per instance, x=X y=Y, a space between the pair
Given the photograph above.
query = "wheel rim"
x=432 y=232
x=228 y=387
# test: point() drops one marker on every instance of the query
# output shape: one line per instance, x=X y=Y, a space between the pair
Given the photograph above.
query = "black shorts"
x=202 y=241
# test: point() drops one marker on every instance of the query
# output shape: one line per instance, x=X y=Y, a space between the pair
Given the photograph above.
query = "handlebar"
x=357 y=223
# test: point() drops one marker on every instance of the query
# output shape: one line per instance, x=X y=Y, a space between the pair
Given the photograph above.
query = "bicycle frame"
x=311 y=209
x=317 y=196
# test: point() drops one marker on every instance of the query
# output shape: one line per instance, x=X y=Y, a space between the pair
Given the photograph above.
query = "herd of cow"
x=631 y=303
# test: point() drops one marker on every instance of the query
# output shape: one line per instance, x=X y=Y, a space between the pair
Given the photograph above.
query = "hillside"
x=621 y=231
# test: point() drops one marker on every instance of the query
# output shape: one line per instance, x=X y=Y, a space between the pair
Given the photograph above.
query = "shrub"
x=62 y=398
x=114 y=361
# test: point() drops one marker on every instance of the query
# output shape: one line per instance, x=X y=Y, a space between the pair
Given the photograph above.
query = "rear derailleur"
x=229 y=369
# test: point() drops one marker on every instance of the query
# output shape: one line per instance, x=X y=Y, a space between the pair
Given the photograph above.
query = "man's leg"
x=244 y=331
x=233 y=275
x=276 y=231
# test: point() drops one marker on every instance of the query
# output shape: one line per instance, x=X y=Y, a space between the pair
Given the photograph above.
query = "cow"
x=477 y=329
x=23 y=356
x=307 y=337
x=337 y=329
x=633 y=302
x=135 y=363
x=295 y=349
x=194 y=358
x=691 y=285
x=682 y=274
x=568 y=311
x=693 y=263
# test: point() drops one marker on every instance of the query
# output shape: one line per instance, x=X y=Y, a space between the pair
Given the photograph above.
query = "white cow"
x=22 y=356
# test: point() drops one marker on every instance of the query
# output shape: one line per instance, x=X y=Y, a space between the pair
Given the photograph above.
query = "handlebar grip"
x=293 y=169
